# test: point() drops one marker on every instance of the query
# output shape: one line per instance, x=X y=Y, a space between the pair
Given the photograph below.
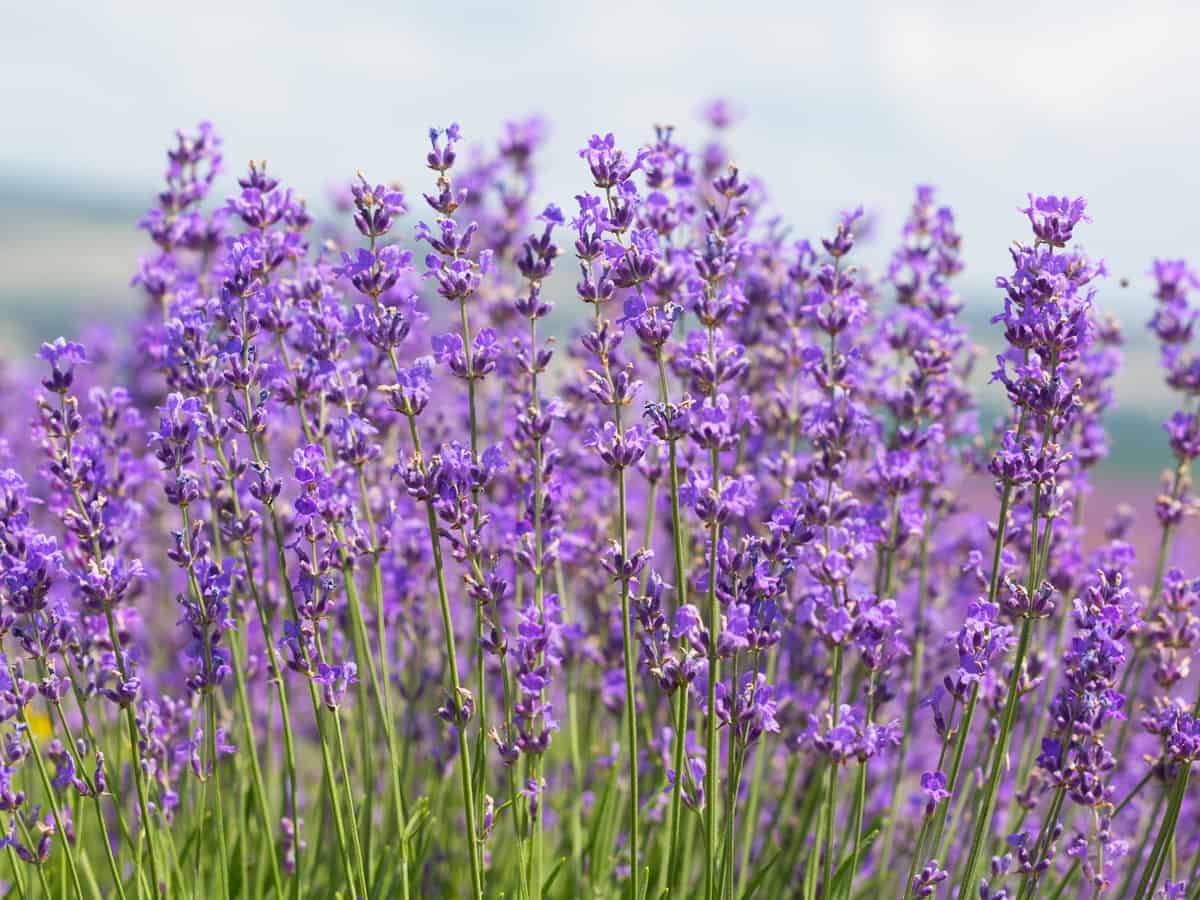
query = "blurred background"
x=838 y=105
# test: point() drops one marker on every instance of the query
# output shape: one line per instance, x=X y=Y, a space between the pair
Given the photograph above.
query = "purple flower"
x=618 y=450
x=376 y=207
x=414 y=386
x=1054 y=218
x=334 y=681
x=933 y=785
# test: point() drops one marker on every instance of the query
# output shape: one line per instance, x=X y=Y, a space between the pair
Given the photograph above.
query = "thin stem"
x=326 y=761
x=1166 y=832
x=37 y=865
x=539 y=589
x=464 y=751
x=1145 y=829
x=341 y=752
x=118 y=653
x=628 y=651
x=999 y=753
x=831 y=791
x=51 y=796
x=860 y=798
x=713 y=604
x=914 y=693
x=681 y=594
x=756 y=780
x=255 y=767
x=964 y=729
x=481 y=698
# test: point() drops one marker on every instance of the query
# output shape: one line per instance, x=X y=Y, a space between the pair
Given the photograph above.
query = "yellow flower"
x=39 y=724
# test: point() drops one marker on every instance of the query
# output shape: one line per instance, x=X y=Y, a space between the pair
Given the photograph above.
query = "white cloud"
x=850 y=103
x=1097 y=71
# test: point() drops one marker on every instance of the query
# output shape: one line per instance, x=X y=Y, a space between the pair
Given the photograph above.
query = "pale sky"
x=843 y=102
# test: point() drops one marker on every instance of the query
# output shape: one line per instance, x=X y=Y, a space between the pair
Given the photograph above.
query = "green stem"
x=18 y=877
x=831 y=791
x=51 y=797
x=118 y=653
x=464 y=750
x=1066 y=880
x=32 y=844
x=860 y=799
x=481 y=699
x=681 y=593
x=964 y=729
x=355 y=843
x=1145 y=830
x=575 y=753
x=914 y=693
x=539 y=592
x=999 y=753
x=712 y=754
x=756 y=780
x=628 y=651
x=327 y=764
x=1166 y=832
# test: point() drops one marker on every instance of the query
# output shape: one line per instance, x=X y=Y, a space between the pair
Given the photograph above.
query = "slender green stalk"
x=539 y=591
x=215 y=775
x=860 y=799
x=118 y=653
x=737 y=763
x=831 y=791
x=368 y=688
x=1145 y=829
x=1065 y=881
x=679 y=762
x=627 y=651
x=265 y=625
x=18 y=877
x=713 y=608
x=289 y=750
x=456 y=691
x=255 y=767
x=681 y=594
x=209 y=701
x=1030 y=883
x=964 y=729
x=813 y=865
x=712 y=750
x=72 y=748
x=914 y=693
x=1131 y=680
x=37 y=866
x=519 y=830
x=756 y=779
x=335 y=805
x=1166 y=833
x=481 y=698
x=796 y=839
x=381 y=684
x=519 y=825
x=999 y=752
x=326 y=760
x=69 y=848
x=355 y=843
x=239 y=668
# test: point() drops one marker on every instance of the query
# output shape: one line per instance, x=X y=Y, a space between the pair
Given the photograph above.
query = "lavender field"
x=461 y=544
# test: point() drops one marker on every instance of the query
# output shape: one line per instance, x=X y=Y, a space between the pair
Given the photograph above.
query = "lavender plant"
x=343 y=574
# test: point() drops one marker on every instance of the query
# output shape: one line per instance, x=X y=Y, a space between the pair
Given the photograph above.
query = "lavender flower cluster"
x=373 y=564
